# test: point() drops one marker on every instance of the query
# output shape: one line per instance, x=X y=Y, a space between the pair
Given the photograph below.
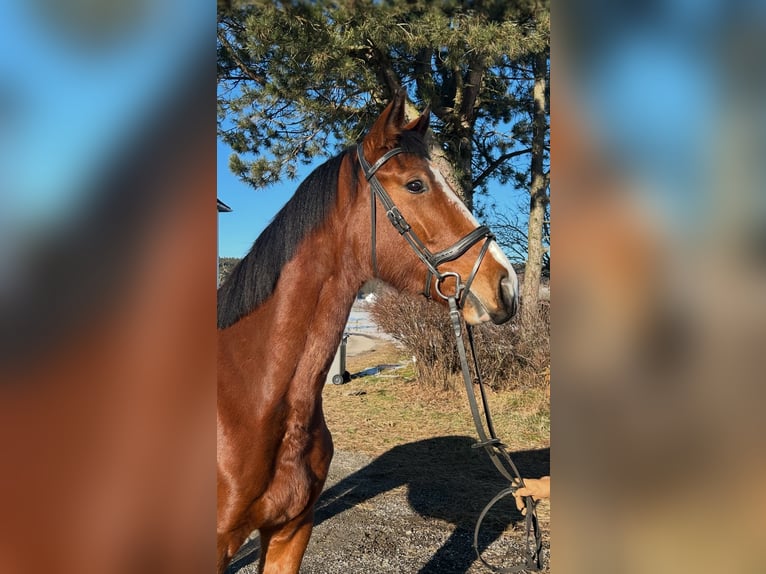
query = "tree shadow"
x=447 y=480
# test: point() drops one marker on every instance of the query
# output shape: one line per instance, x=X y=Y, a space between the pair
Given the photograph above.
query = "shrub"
x=225 y=267
x=509 y=357
x=423 y=328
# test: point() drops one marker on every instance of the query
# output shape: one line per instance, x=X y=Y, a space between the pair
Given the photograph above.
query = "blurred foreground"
x=107 y=288
x=659 y=319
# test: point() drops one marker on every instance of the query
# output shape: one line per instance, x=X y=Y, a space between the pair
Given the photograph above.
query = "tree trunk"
x=464 y=167
x=530 y=291
x=457 y=170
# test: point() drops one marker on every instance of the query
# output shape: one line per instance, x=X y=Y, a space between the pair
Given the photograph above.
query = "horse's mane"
x=253 y=279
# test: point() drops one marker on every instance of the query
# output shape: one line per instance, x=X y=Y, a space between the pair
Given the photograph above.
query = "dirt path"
x=411 y=510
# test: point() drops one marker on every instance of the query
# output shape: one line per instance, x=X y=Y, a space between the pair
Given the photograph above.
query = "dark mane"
x=253 y=280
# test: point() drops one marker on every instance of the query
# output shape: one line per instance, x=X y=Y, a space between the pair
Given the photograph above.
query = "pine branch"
x=233 y=52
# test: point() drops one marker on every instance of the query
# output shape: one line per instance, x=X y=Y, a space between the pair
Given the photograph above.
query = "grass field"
x=372 y=414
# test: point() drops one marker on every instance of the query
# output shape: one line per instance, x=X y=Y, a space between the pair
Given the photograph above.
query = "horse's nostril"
x=479 y=310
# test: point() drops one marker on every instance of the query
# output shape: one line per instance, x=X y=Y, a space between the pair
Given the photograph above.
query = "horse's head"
x=446 y=243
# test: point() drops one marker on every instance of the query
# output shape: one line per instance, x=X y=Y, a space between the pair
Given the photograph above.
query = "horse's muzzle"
x=475 y=311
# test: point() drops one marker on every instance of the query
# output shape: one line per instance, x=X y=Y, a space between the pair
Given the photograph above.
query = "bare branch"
x=493 y=165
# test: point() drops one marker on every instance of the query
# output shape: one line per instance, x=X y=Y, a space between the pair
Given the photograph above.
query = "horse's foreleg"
x=228 y=544
x=223 y=554
x=232 y=526
x=282 y=548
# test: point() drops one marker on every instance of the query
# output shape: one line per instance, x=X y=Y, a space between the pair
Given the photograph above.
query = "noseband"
x=487 y=438
x=430 y=260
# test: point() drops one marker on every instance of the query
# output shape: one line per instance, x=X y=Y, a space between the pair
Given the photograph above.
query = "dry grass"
x=373 y=414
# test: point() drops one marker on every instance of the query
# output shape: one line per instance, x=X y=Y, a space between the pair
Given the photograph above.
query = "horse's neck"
x=293 y=336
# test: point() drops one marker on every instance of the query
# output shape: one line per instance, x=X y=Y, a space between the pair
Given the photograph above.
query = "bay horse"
x=282 y=312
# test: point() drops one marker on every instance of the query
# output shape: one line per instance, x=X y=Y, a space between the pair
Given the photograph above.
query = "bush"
x=225 y=267
x=423 y=328
x=509 y=357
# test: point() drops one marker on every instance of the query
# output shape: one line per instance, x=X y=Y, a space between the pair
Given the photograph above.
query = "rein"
x=488 y=440
x=498 y=454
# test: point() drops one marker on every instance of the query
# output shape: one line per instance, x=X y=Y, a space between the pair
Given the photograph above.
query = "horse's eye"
x=416 y=186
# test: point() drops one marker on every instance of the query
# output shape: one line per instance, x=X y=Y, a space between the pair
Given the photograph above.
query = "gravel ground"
x=413 y=510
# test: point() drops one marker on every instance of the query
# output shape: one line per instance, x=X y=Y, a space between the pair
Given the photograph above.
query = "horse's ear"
x=420 y=124
x=386 y=129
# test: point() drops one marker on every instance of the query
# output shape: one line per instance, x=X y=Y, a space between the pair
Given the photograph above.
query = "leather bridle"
x=432 y=261
x=488 y=440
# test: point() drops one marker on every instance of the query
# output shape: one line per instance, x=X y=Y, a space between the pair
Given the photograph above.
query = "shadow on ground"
x=377 y=369
x=446 y=480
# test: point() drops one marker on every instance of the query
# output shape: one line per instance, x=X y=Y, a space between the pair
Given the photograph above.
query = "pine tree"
x=304 y=79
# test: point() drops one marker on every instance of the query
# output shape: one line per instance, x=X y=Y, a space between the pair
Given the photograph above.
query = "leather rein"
x=488 y=440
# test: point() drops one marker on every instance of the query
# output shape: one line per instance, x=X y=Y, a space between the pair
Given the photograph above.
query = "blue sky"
x=252 y=210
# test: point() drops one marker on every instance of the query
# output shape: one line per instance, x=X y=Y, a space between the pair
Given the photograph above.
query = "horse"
x=282 y=312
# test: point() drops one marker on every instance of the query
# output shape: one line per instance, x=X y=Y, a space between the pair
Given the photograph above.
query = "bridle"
x=430 y=260
x=488 y=440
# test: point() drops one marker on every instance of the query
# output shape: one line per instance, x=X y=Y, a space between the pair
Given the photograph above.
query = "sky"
x=251 y=210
